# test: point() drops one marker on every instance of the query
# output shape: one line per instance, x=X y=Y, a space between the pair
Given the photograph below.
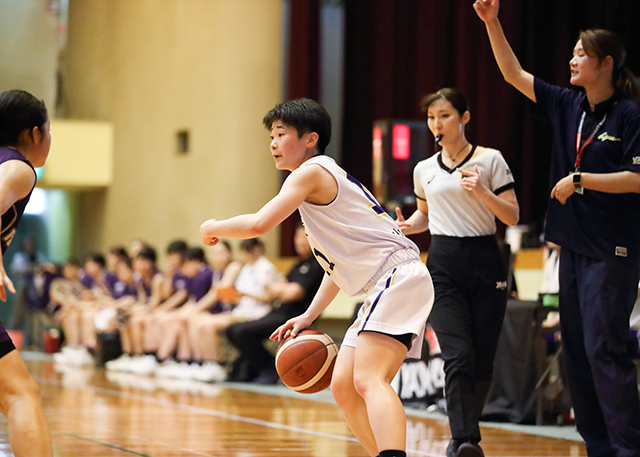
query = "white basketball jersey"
x=352 y=236
x=453 y=210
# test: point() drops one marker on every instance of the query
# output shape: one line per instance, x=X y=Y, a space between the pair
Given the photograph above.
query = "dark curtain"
x=398 y=51
x=303 y=80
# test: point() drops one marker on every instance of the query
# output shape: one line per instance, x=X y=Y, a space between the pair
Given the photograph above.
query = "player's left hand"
x=206 y=238
x=471 y=180
x=563 y=189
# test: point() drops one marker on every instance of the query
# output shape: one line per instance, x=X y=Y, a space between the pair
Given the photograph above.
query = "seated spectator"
x=97 y=278
x=198 y=278
x=253 y=301
x=225 y=272
x=255 y=362
x=69 y=296
x=173 y=293
x=123 y=296
x=148 y=280
x=116 y=255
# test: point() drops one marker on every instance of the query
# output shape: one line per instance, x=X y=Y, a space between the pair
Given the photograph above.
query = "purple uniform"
x=122 y=289
x=10 y=220
x=179 y=281
x=108 y=279
x=142 y=285
x=200 y=284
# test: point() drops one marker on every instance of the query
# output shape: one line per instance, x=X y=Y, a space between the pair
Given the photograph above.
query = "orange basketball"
x=305 y=363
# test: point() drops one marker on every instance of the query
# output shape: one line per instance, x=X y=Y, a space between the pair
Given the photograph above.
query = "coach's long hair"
x=601 y=43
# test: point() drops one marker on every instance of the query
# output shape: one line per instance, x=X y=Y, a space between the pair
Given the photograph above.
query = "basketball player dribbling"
x=24 y=144
x=362 y=251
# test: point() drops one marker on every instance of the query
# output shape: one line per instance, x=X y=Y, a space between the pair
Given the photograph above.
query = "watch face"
x=576 y=177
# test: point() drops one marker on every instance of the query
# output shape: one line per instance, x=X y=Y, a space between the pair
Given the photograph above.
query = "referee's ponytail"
x=601 y=43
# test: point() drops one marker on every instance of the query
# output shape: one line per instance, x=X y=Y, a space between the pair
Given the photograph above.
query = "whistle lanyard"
x=579 y=138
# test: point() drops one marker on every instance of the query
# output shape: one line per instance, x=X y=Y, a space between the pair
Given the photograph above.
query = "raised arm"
x=507 y=61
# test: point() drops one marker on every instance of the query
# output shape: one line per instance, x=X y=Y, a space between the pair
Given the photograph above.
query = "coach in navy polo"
x=594 y=214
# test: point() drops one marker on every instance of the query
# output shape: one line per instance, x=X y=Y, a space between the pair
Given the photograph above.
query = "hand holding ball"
x=305 y=363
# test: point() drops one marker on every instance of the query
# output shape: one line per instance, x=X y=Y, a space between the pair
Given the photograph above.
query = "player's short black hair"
x=119 y=251
x=177 y=247
x=195 y=253
x=305 y=115
x=97 y=258
x=148 y=253
x=251 y=243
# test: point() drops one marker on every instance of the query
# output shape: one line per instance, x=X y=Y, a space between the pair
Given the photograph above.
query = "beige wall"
x=29 y=52
x=153 y=67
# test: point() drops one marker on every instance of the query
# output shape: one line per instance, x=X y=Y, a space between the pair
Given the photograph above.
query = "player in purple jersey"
x=24 y=144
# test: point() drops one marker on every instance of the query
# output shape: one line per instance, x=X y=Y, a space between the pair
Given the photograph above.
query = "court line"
x=220 y=414
x=104 y=444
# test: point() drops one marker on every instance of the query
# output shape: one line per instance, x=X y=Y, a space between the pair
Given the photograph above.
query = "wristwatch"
x=577 y=181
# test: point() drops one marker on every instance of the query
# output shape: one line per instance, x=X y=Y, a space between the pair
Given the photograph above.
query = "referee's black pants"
x=596 y=299
x=470 y=282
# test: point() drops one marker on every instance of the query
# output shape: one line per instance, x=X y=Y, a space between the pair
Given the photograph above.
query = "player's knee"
x=22 y=391
x=362 y=383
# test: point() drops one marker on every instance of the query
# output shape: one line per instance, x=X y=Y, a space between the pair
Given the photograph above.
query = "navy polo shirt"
x=600 y=225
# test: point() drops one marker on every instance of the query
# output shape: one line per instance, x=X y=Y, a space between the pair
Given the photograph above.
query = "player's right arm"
x=507 y=61
x=325 y=295
x=16 y=181
x=296 y=188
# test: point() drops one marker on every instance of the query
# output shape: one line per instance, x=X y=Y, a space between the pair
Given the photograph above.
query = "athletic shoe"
x=209 y=372
x=166 y=369
x=120 y=364
x=452 y=447
x=145 y=365
x=78 y=357
x=469 y=449
x=186 y=370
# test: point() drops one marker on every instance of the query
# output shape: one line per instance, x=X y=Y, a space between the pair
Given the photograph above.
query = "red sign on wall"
x=401 y=142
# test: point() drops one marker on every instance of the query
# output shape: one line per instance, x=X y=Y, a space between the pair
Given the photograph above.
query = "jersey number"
x=321 y=256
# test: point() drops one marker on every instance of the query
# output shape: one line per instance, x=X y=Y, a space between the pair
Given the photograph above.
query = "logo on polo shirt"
x=636 y=160
x=604 y=136
x=501 y=285
x=621 y=251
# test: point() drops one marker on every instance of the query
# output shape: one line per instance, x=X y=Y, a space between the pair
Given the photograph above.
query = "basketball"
x=305 y=363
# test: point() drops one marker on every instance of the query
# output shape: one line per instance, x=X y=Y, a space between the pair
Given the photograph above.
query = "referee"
x=460 y=191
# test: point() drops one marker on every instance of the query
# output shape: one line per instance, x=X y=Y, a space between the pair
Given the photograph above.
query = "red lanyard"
x=579 y=138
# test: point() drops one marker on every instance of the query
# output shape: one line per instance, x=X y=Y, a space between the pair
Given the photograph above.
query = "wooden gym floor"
x=94 y=413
